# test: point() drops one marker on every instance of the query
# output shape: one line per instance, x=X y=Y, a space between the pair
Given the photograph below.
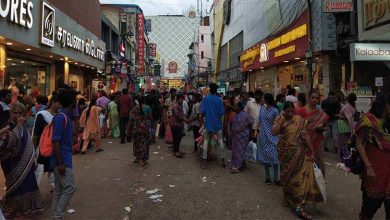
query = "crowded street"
x=194 y=109
x=110 y=182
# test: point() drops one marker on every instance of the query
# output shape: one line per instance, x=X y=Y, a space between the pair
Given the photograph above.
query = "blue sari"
x=18 y=163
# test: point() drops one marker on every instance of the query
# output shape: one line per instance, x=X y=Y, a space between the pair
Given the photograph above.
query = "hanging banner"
x=140 y=44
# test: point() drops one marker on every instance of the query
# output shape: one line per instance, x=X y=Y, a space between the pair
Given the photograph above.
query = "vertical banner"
x=153 y=50
x=140 y=44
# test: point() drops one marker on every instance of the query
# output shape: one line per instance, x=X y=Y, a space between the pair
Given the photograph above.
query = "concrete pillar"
x=66 y=72
x=52 y=78
x=3 y=57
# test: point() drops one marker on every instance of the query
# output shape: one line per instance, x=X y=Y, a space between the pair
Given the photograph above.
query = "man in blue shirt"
x=61 y=160
x=212 y=109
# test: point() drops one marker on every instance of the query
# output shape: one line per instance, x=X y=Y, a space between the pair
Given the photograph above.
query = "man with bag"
x=61 y=159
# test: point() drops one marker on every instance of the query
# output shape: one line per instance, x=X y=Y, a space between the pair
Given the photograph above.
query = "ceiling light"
x=22 y=61
x=262 y=67
x=82 y=64
x=51 y=56
x=61 y=58
x=28 y=49
x=69 y=61
x=13 y=64
x=286 y=61
x=302 y=61
x=66 y=58
x=87 y=66
x=9 y=59
x=76 y=63
x=9 y=43
x=297 y=58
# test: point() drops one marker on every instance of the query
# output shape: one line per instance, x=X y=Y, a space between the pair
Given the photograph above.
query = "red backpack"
x=45 y=142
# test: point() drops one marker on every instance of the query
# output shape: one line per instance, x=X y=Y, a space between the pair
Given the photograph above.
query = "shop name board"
x=140 y=44
x=153 y=50
x=290 y=36
x=370 y=52
x=338 y=5
x=67 y=39
x=47 y=25
x=287 y=50
x=18 y=12
x=376 y=13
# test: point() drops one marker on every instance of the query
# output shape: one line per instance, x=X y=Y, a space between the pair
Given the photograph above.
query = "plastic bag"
x=157 y=130
x=39 y=173
x=320 y=180
x=251 y=151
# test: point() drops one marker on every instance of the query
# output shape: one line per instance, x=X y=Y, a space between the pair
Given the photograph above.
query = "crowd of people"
x=290 y=132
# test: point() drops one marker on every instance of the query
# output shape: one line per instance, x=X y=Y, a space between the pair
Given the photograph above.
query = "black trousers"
x=371 y=205
x=122 y=126
x=177 y=133
x=195 y=130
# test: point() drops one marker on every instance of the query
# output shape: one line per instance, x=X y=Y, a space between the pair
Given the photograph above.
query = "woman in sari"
x=373 y=143
x=141 y=117
x=316 y=124
x=89 y=120
x=113 y=115
x=168 y=116
x=296 y=162
x=229 y=104
x=347 y=113
x=17 y=156
x=240 y=132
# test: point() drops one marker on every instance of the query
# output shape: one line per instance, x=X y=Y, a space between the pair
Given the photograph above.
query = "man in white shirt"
x=291 y=96
x=253 y=106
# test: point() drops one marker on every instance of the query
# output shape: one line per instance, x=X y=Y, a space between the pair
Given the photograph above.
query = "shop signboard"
x=174 y=83
x=18 y=12
x=370 y=52
x=140 y=44
x=337 y=6
x=288 y=45
x=48 y=18
x=379 y=81
x=153 y=50
x=376 y=13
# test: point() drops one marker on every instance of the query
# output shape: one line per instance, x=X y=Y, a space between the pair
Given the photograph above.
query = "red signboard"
x=288 y=45
x=153 y=49
x=140 y=44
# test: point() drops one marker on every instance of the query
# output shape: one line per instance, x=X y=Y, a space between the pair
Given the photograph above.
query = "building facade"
x=46 y=43
x=172 y=34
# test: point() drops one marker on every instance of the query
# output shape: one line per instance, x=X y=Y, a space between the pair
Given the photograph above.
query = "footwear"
x=222 y=163
x=268 y=182
x=178 y=154
x=83 y=152
x=234 y=170
x=99 y=150
x=136 y=161
x=142 y=163
x=204 y=162
x=300 y=212
x=277 y=182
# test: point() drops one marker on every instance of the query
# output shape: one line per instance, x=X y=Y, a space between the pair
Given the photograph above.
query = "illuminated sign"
x=47 y=25
x=338 y=5
x=140 y=44
x=290 y=36
x=18 y=12
x=285 y=51
x=376 y=13
x=263 y=53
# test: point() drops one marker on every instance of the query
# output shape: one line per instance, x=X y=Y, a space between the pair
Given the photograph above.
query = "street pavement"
x=107 y=183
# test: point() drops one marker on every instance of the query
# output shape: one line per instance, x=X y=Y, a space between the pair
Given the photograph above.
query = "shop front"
x=44 y=47
x=233 y=79
x=279 y=61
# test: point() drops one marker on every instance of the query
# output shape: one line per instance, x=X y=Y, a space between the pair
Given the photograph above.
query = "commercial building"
x=132 y=65
x=46 y=43
x=172 y=35
x=200 y=55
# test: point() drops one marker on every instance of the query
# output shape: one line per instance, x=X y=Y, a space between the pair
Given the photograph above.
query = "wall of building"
x=204 y=47
x=82 y=12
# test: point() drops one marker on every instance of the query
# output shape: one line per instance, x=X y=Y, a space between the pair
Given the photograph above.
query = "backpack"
x=45 y=142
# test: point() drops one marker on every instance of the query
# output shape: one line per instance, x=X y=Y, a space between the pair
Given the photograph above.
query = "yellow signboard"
x=174 y=83
x=284 y=51
x=288 y=37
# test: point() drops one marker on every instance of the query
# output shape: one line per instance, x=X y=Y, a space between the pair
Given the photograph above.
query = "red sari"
x=377 y=148
x=315 y=119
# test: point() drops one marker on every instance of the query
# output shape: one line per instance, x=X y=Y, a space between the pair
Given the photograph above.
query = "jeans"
x=177 y=133
x=207 y=135
x=275 y=167
x=122 y=126
x=64 y=189
x=371 y=205
x=333 y=135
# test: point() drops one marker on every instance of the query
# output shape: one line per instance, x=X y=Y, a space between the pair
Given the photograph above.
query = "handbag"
x=353 y=161
x=320 y=180
x=343 y=126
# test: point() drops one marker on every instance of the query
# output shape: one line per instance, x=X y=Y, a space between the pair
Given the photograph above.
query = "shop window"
x=27 y=76
x=202 y=55
x=202 y=38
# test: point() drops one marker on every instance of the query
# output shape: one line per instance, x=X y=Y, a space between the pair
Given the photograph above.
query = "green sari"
x=114 y=119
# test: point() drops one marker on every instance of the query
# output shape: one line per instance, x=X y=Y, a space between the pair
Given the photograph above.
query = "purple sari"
x=240 y=133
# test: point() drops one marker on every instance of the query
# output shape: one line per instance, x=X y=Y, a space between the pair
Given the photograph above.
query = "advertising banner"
x=140 y=44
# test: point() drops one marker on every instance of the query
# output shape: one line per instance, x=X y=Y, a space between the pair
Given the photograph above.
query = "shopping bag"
x=251 y=151
x=157 y=130
x=343 y=126
x=39 y=173
x=320 y=180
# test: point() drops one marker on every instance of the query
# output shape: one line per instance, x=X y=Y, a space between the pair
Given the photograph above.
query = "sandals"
x=234 y=170
x=300 y=212
x=178 y=154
